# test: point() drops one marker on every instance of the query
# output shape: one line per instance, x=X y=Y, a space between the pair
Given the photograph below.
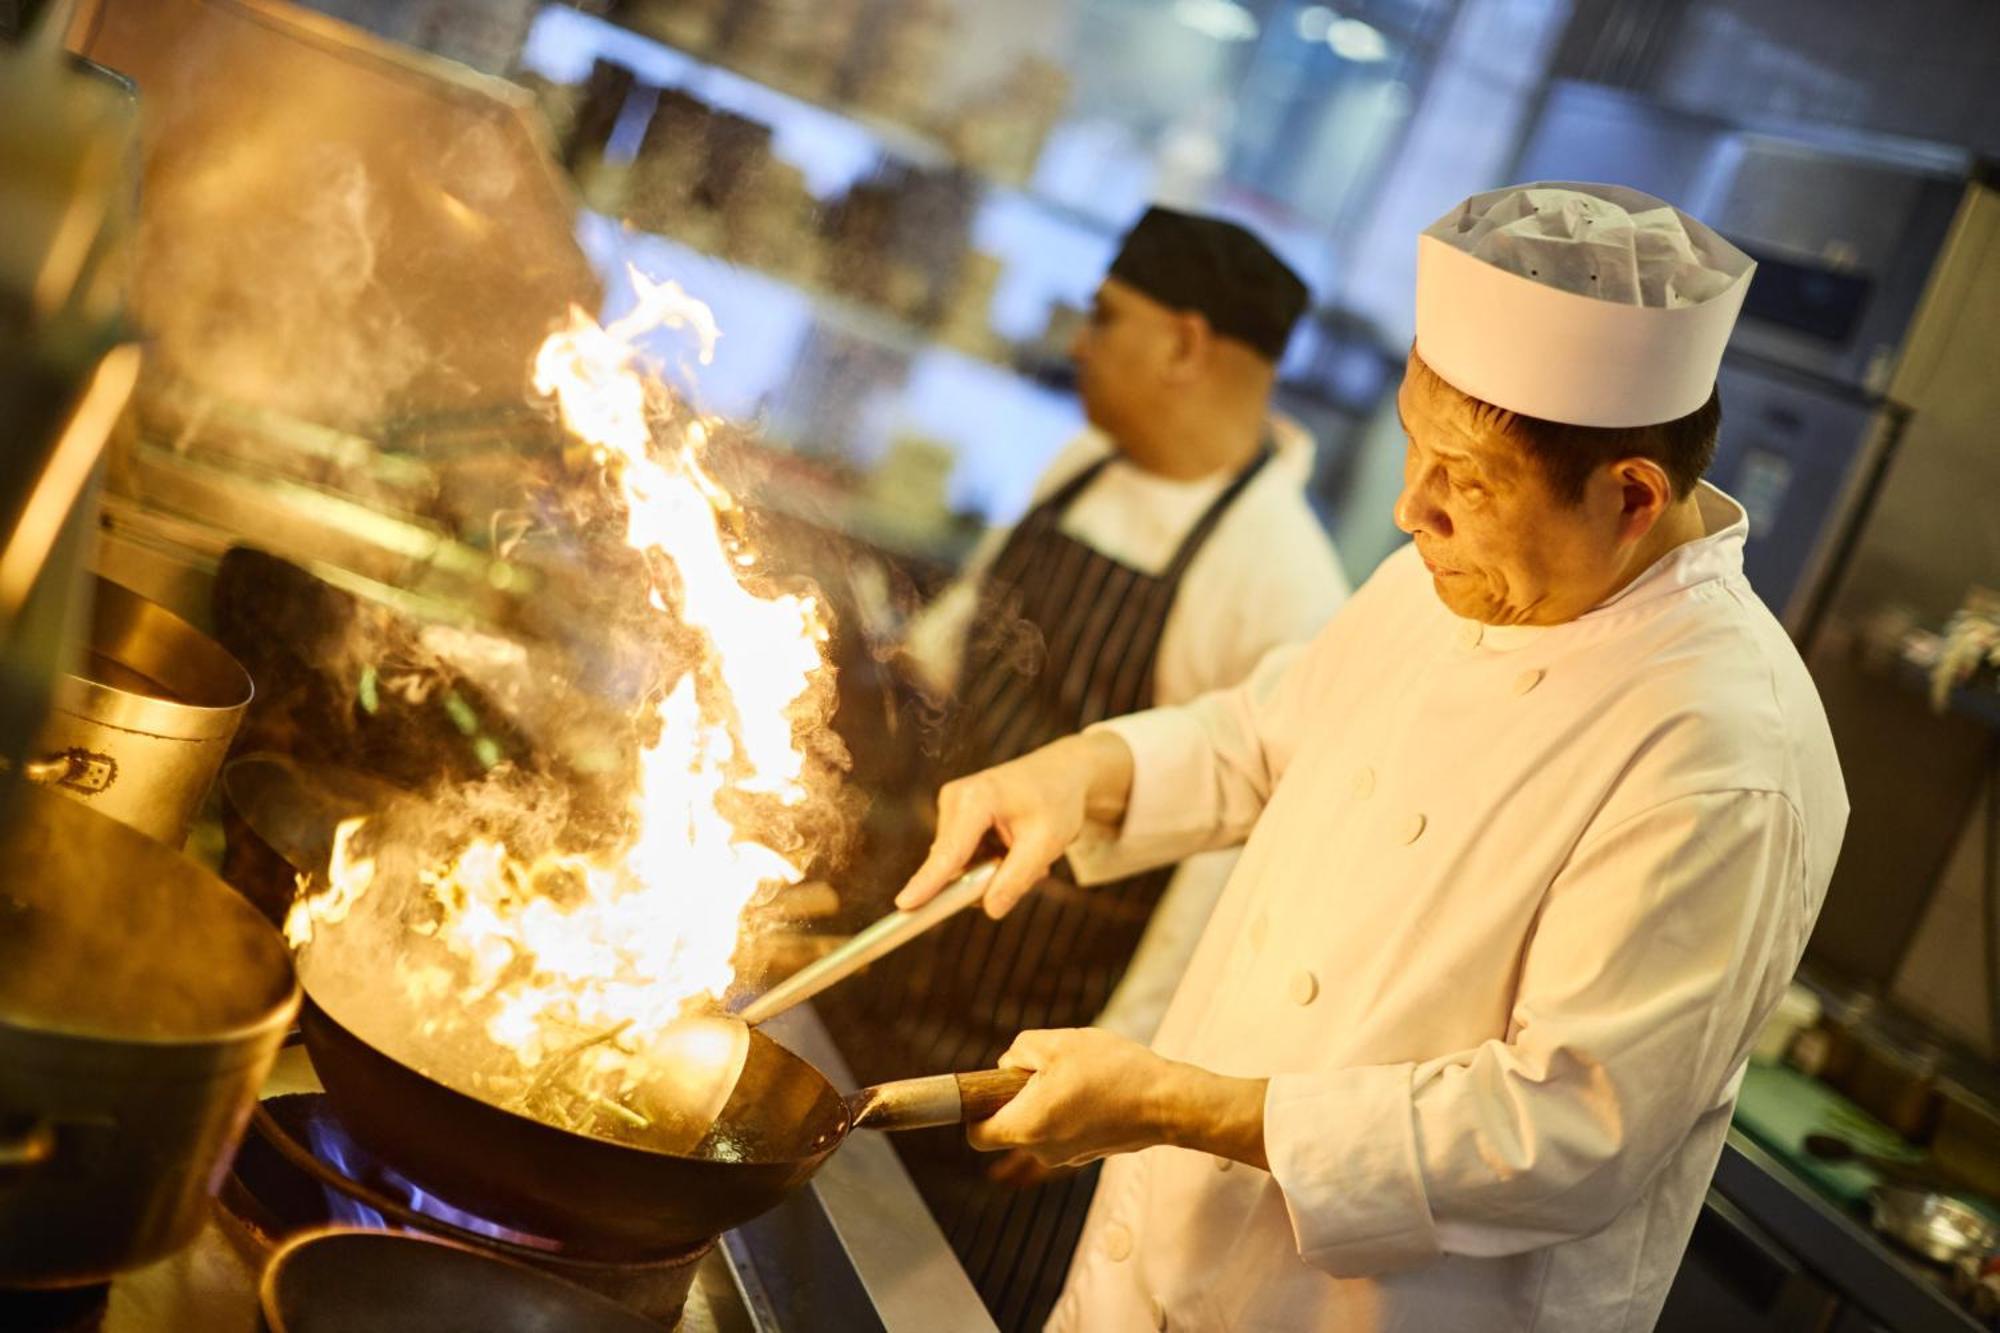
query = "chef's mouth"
x=1434 y=567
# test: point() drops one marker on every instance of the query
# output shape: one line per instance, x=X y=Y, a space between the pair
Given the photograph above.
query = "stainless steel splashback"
x=332 y=227
x=1932 y=531
x=337 y=238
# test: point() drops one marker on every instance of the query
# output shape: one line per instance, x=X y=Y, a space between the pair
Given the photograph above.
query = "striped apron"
x=1065 y=636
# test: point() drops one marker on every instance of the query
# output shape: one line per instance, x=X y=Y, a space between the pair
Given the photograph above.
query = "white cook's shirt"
x=1514 y=903
x=1266 y=576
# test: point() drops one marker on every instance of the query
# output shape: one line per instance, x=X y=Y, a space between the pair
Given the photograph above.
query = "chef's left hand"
x=1092 y=1095
x=1095 y=1093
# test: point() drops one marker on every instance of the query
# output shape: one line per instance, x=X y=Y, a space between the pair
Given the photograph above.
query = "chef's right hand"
x=1036 y=804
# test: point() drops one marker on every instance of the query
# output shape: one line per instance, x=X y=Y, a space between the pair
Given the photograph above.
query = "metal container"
x=1941 y=1227
x=142 y=1002
x=140 y=730
x=340 y=1279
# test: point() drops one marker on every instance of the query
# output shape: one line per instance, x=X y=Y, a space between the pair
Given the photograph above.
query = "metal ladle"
x=706 y=1052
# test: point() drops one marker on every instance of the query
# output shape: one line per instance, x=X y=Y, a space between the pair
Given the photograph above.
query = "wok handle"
x=941 y=1099
x=884 y=936
x=27 y=1149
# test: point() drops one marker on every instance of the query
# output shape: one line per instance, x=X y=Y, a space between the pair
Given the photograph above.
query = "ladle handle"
x=941 y=1099
x=48 y=769
x=884 y=936
x=54 y=768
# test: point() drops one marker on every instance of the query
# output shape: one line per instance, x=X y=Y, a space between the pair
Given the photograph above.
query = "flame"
x=348 y=876
x=619 y=944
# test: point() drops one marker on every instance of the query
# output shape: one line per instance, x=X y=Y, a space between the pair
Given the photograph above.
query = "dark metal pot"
x=141 y=1004
x=340 y=1280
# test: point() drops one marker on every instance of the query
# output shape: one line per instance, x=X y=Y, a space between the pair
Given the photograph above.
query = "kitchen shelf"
x=915 y=146
x=833 y=309
x=907 y=143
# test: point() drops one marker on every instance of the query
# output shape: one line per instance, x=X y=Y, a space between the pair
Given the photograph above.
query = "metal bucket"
x=141 y=1005
x=141 y=731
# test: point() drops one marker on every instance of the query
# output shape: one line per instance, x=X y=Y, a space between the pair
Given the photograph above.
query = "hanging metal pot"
x=139 y=730
x=142 y=1002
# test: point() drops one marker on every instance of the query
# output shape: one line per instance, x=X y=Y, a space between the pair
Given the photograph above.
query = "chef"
x=1536 y=830
x=1167 y=551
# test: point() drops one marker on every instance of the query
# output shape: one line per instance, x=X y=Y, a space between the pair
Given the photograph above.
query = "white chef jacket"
x=1267 y=576
x=1513 y=905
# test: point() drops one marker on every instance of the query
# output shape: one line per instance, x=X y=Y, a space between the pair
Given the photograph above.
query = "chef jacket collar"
x=1717 y=554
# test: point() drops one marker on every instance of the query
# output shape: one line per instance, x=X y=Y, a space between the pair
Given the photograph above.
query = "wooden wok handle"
x=890 y=933
x=982 y=1093
x=942 y=1099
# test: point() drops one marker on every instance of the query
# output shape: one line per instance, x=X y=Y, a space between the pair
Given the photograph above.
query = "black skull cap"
x=1218 y=270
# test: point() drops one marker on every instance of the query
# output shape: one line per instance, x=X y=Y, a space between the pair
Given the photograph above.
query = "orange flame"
x=639 y=932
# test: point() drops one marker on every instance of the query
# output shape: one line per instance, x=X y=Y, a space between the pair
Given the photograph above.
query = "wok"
x=280 y=817
x=612 y=1199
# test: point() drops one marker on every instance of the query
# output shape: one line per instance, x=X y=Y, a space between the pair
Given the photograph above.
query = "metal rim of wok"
x=614 y=1200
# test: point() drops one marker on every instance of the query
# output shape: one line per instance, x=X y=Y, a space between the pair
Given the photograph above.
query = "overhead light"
x=1351 y=39
x=1221 y=20
x=1314 y=22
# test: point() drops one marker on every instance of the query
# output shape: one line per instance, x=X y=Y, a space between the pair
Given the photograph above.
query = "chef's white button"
x=1117 y=1243
x=1413 y=828
x=1302 y=987
x=1527 y=680
x=1159 y=1315
x=1364 y=784
x=1223 y=1163
x=1470 y=633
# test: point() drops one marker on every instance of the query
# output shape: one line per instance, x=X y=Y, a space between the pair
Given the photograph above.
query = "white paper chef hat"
x=1591 y=304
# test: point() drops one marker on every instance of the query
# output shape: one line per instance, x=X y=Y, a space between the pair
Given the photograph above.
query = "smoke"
x=331 y=235
x=290 y=313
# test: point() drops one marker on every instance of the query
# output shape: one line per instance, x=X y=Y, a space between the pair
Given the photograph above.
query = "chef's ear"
x=1645 y=492
x=1193 y=339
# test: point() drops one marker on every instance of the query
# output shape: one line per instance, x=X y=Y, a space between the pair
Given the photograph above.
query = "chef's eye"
x=1471 y=490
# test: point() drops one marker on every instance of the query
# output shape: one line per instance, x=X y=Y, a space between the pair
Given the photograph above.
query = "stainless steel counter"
x=858 y=1250
x=1875 y=1286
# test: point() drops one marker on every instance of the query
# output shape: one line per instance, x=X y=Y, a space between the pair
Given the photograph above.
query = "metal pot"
x=142 y=1002
x=141 y=731
x=340 y=1279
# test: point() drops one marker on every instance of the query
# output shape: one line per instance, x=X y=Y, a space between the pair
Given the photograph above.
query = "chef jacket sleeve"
x=1201 y=772
x=1661 y=946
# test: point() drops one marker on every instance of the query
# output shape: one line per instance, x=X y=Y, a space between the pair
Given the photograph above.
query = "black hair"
x=1568 y=454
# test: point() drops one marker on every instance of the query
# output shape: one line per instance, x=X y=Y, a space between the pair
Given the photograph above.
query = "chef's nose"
x=1416 y=511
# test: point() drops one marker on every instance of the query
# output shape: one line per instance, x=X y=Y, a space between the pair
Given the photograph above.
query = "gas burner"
x=299 y=1168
